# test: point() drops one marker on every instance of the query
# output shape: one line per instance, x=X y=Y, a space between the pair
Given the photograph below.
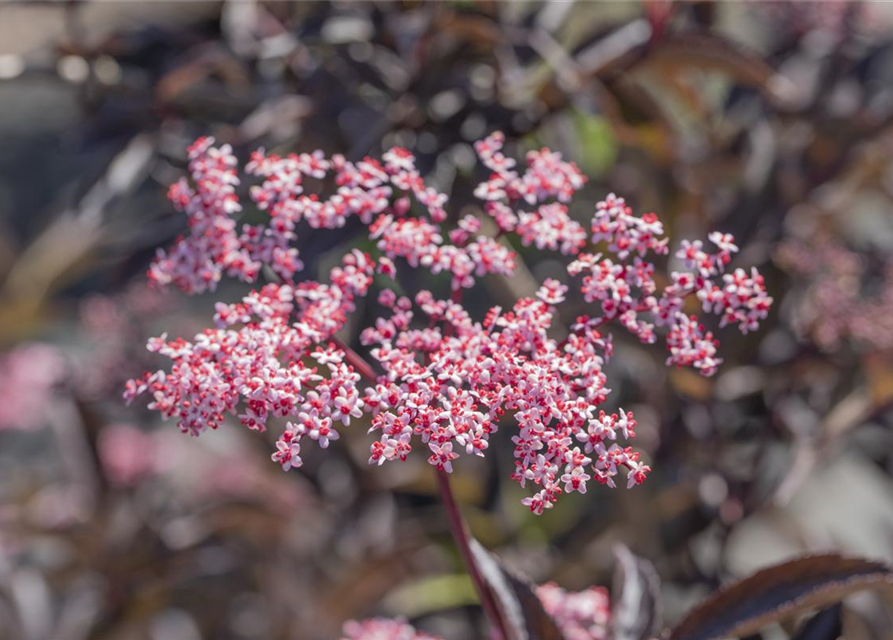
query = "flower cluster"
x=547 y=177
x=579 y=616
x=28 y=377
x=842 y=297
x=627 y=289
x=470 y=374
x=252 y=363
x=442 y=379
x=383 y=629
x=212 y=248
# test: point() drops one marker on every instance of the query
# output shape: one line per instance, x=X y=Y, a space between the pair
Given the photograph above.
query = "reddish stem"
x=658 y=14
x=457 y=524
x=463 y=541
x=357 y=361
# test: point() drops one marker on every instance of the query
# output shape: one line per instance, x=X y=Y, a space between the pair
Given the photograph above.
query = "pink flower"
x=552 y=292
x=316 y=428
x=288 y=447
x=550 y=227
x=442 y=456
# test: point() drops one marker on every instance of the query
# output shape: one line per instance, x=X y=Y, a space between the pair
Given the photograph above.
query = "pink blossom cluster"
x=471 y=373
x=253 y=363
x=547 y=176
x=626 y=289
x=439 y=377
x=839 y=299
x=383 y=629
x=212 y=247
x=580 y=616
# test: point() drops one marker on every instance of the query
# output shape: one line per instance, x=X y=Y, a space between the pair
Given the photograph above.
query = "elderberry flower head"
x=439 y=379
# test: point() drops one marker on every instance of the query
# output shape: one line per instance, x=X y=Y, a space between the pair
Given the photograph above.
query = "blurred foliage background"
x=769 y=120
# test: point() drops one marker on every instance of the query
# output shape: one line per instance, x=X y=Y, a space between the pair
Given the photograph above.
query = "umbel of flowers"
x=442 y=380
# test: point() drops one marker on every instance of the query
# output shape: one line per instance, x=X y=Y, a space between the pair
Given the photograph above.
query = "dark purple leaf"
x=635 y=613
x=827 y=624
x=779 y=592
x=521 y=609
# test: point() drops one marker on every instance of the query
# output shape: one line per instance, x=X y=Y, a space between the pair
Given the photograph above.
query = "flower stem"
x=463 y=541
x=457 y=524
x=358 y=362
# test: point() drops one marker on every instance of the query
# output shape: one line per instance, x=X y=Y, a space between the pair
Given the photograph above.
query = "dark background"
x=768 y=120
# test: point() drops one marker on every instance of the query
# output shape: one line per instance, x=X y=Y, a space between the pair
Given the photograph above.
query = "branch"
x=463 y=541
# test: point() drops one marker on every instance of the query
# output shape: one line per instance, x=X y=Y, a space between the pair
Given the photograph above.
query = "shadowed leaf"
x=521 y=609
x=635 y=613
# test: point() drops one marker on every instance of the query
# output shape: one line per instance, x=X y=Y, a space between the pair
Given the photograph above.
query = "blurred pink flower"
x=111 y=325
x=383 y=629
x=128 y=454
x=582 y=615
x=840 y=298
x=201 y=473
x=28 y=374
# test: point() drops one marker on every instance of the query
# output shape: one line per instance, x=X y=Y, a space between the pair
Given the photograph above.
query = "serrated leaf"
x=779 y=592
